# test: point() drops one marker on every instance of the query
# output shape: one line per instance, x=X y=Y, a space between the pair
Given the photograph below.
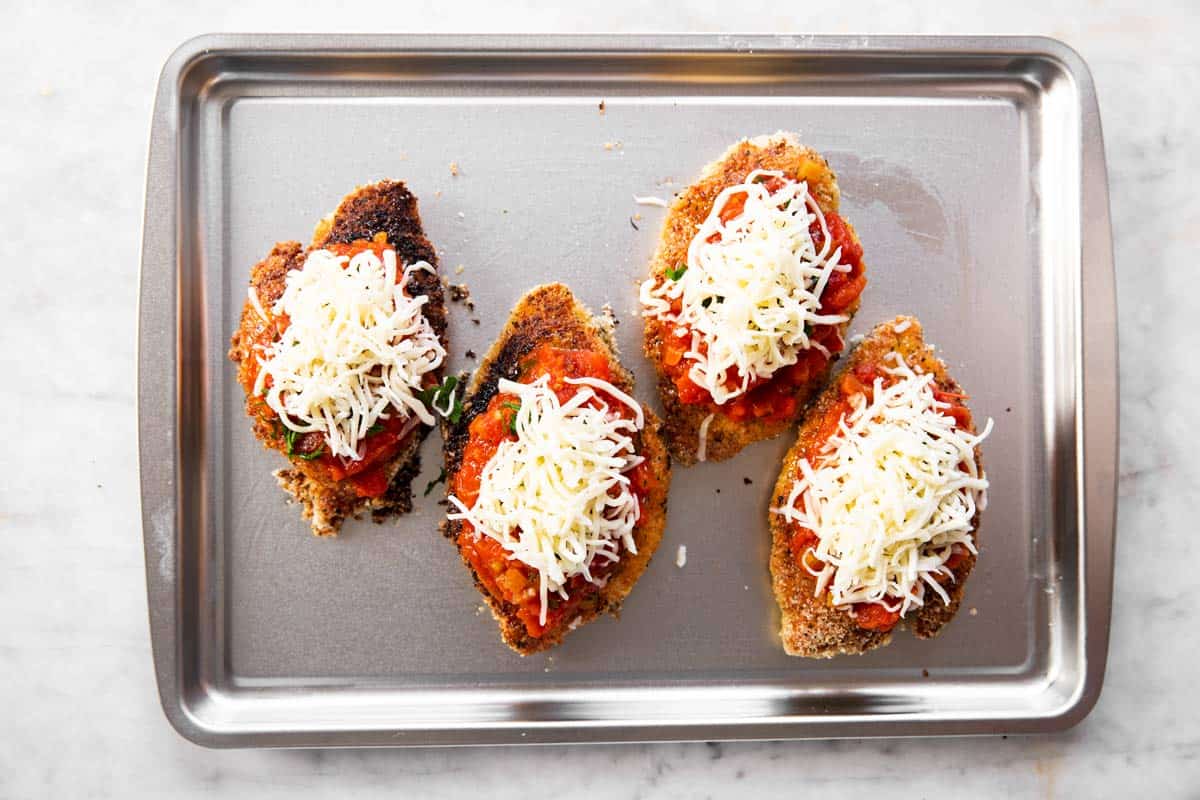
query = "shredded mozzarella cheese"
x=702 y=445
x=252 y=296
x=891 y=495
x=355 y=349
x=750 y=297
x=558 y=497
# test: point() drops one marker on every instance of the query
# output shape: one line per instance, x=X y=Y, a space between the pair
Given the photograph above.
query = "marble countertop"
x=79 y=713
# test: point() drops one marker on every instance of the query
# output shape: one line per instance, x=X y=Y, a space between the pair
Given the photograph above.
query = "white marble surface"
x=79 y=714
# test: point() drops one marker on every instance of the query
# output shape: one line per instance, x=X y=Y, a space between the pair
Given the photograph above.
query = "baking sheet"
x=973 y=171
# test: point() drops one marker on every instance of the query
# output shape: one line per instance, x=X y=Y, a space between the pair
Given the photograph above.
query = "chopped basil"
x=290 y=436
x=676 y=272
x=374 y=429
x=437 y=399
x=314 y=454
x=439 y=479
x=512 y=421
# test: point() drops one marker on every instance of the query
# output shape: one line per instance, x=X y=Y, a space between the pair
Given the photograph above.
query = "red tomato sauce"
x=507 y=578
x=802 y=542
x=772 y=398
x=368 y=475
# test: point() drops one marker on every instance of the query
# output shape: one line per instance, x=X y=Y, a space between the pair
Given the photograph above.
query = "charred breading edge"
x=779 y=151
x=810 y=626
x=384 y=207
x=551 y=315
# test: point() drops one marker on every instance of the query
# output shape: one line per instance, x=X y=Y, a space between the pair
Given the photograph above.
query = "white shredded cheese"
x=558 y=497
x=355 y=349
x=891 y=495
x=750 y=297
x=650 y=201
x=902 y=326
x=681 y=556
x=702 y=446
x=450 y=403
x=252 y=296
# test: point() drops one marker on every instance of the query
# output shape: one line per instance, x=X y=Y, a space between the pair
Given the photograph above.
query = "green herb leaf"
x=437 y=397
x=512 y=421
x=290 y=436
x=676 y=272
x=314 y=454
x=374 y=429
x=439 y=479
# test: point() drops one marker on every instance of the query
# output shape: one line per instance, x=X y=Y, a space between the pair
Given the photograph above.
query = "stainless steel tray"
x=974 y=170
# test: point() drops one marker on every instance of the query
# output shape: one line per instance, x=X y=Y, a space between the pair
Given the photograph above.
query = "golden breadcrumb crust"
x=551 y=315
x=810 y=626
x=386 y=207
x=726 y=437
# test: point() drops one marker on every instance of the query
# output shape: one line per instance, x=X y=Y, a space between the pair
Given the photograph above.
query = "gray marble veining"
x=78 y=710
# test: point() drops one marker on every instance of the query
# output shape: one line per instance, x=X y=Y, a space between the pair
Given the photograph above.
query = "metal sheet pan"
x=974 y=171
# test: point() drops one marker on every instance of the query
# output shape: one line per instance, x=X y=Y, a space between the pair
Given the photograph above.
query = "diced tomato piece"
x=577 y=363
x=829 y=427
x=962 y=417
x=372 y=483
x=738 y=410
x=802 y=539
x=851 y=385
x=866 y=373
x=875 y=617
x=840 y=295
x=774 y=183
x=829 y=337
x=733 y=207
x=957 y=557
x=376 y=448
x=512 y=581
x=794 y=375
x=689 y=392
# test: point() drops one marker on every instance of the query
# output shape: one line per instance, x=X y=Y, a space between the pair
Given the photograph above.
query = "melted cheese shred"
x=558 y=497
x=891 y=495
x=750 y=297
x=355 y=350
